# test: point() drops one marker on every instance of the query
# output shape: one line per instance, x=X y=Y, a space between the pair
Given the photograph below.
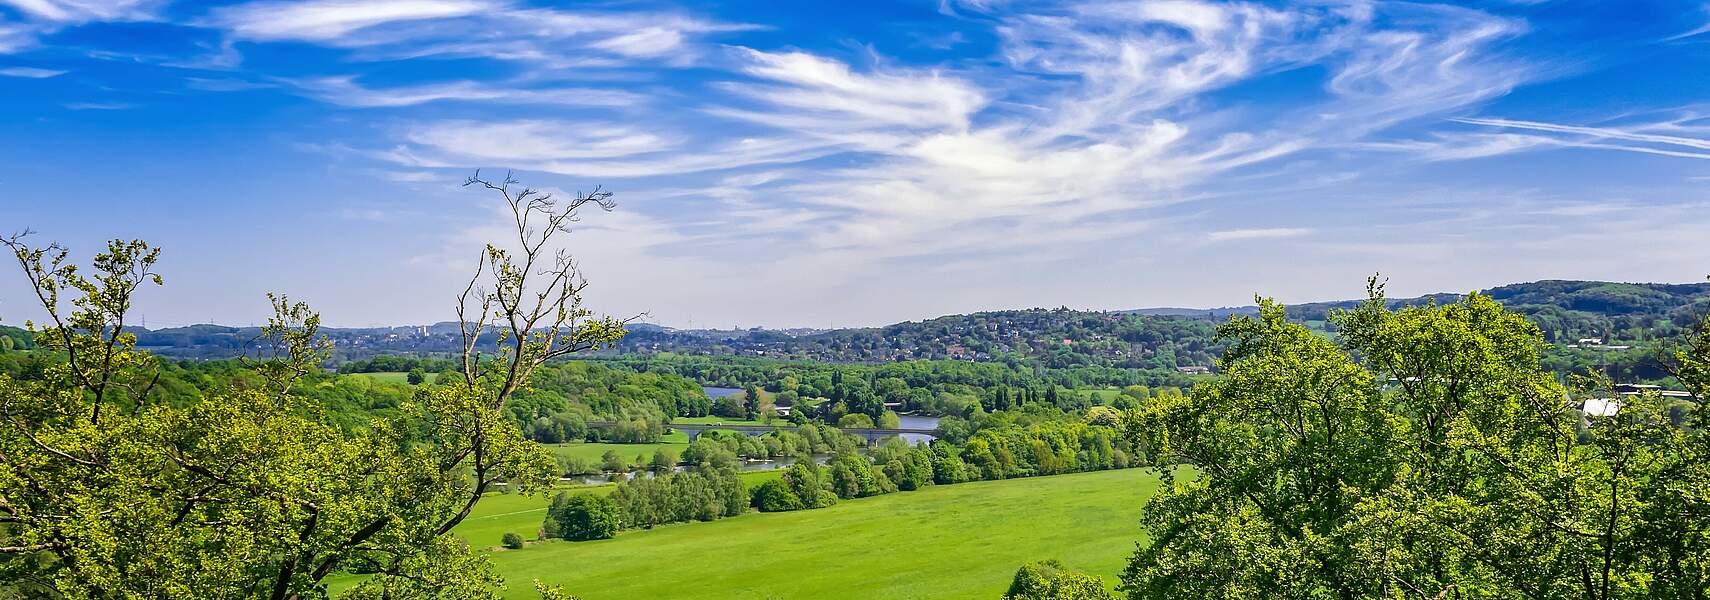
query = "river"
x=720 y=392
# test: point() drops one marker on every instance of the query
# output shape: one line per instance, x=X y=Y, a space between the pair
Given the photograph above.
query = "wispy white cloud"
x=15 y=36
x=346 y=91
x=84 y=11
x=1464 y=146
x=1639 y=138
x=643 y=43
x=226 y=84
x=1098 y=114
x=1269 y=233
x=42 y=17
x=543 y=37
x=587 y=149
x=1695 y=32
x=98 y=105
x=30 y=72
x=329 y=20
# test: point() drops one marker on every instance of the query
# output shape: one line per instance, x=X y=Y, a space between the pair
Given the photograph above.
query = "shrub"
x=855 y=421
x=1050 y=580
x=775 y=496
x=584 y=516
x=513 y=541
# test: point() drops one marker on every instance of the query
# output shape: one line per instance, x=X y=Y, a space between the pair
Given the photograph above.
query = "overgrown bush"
x=584 y=516
x=512 y=541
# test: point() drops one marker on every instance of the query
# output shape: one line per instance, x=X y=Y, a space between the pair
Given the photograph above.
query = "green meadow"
x=955 y=541
x=676 y=441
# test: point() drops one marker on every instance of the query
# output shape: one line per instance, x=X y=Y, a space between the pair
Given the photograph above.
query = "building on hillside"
x=1194 y=370
x=1600 y=407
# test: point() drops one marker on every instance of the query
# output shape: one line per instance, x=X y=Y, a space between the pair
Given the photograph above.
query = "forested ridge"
x=1071 y=346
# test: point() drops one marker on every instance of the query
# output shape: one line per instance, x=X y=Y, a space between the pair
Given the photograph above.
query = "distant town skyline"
x=857 y=164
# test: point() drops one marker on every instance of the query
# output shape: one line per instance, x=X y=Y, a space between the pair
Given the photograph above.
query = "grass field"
x=957 y=541
x=954 y=541
x=589 y=451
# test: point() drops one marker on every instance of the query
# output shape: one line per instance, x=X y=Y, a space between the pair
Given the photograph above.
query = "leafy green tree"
x=1445 y=463
x=1050 y=580
x=416 y=376
x=810 y=483
x=512 y=541
x=750 y=402
x=663 y=460
x=729 y=406
x=612 y=462
x=107 y=491
x=582 y=516
x=889 y=420
x=855 y=421
x=775 y=496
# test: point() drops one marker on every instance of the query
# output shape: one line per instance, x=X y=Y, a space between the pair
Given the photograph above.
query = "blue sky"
x=857 y=163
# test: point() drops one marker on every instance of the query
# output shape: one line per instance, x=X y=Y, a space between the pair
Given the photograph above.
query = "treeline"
x=398 y=363
x=943 y=387
x=736 y=372
x=1055 y=338
x=1000 y=449
x=13 y=338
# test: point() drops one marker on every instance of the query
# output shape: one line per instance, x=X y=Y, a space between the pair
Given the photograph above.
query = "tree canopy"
x=251 y=491
x=1426 y=455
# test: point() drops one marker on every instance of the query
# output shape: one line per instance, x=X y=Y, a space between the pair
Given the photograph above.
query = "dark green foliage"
x=1011 y=444
x=512 y=541
x=565 y=396
x=1423 y=454
x=853 y=476
x=810 y=484
x=388 y=363
x=1098 y=339
x=716 y=446
x=13 y=338
x=1050 y=580
x=750 y=402
x=663 y=460
x=612 y=462
x=416 y=376
x=930 y=386
x=909 y=468
x=581 y=517
x=775 y=496
x=703 y=494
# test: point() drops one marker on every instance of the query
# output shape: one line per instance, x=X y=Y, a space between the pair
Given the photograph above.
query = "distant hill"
x=1213 y=313
x=1152 y=338
x=1569 y=310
